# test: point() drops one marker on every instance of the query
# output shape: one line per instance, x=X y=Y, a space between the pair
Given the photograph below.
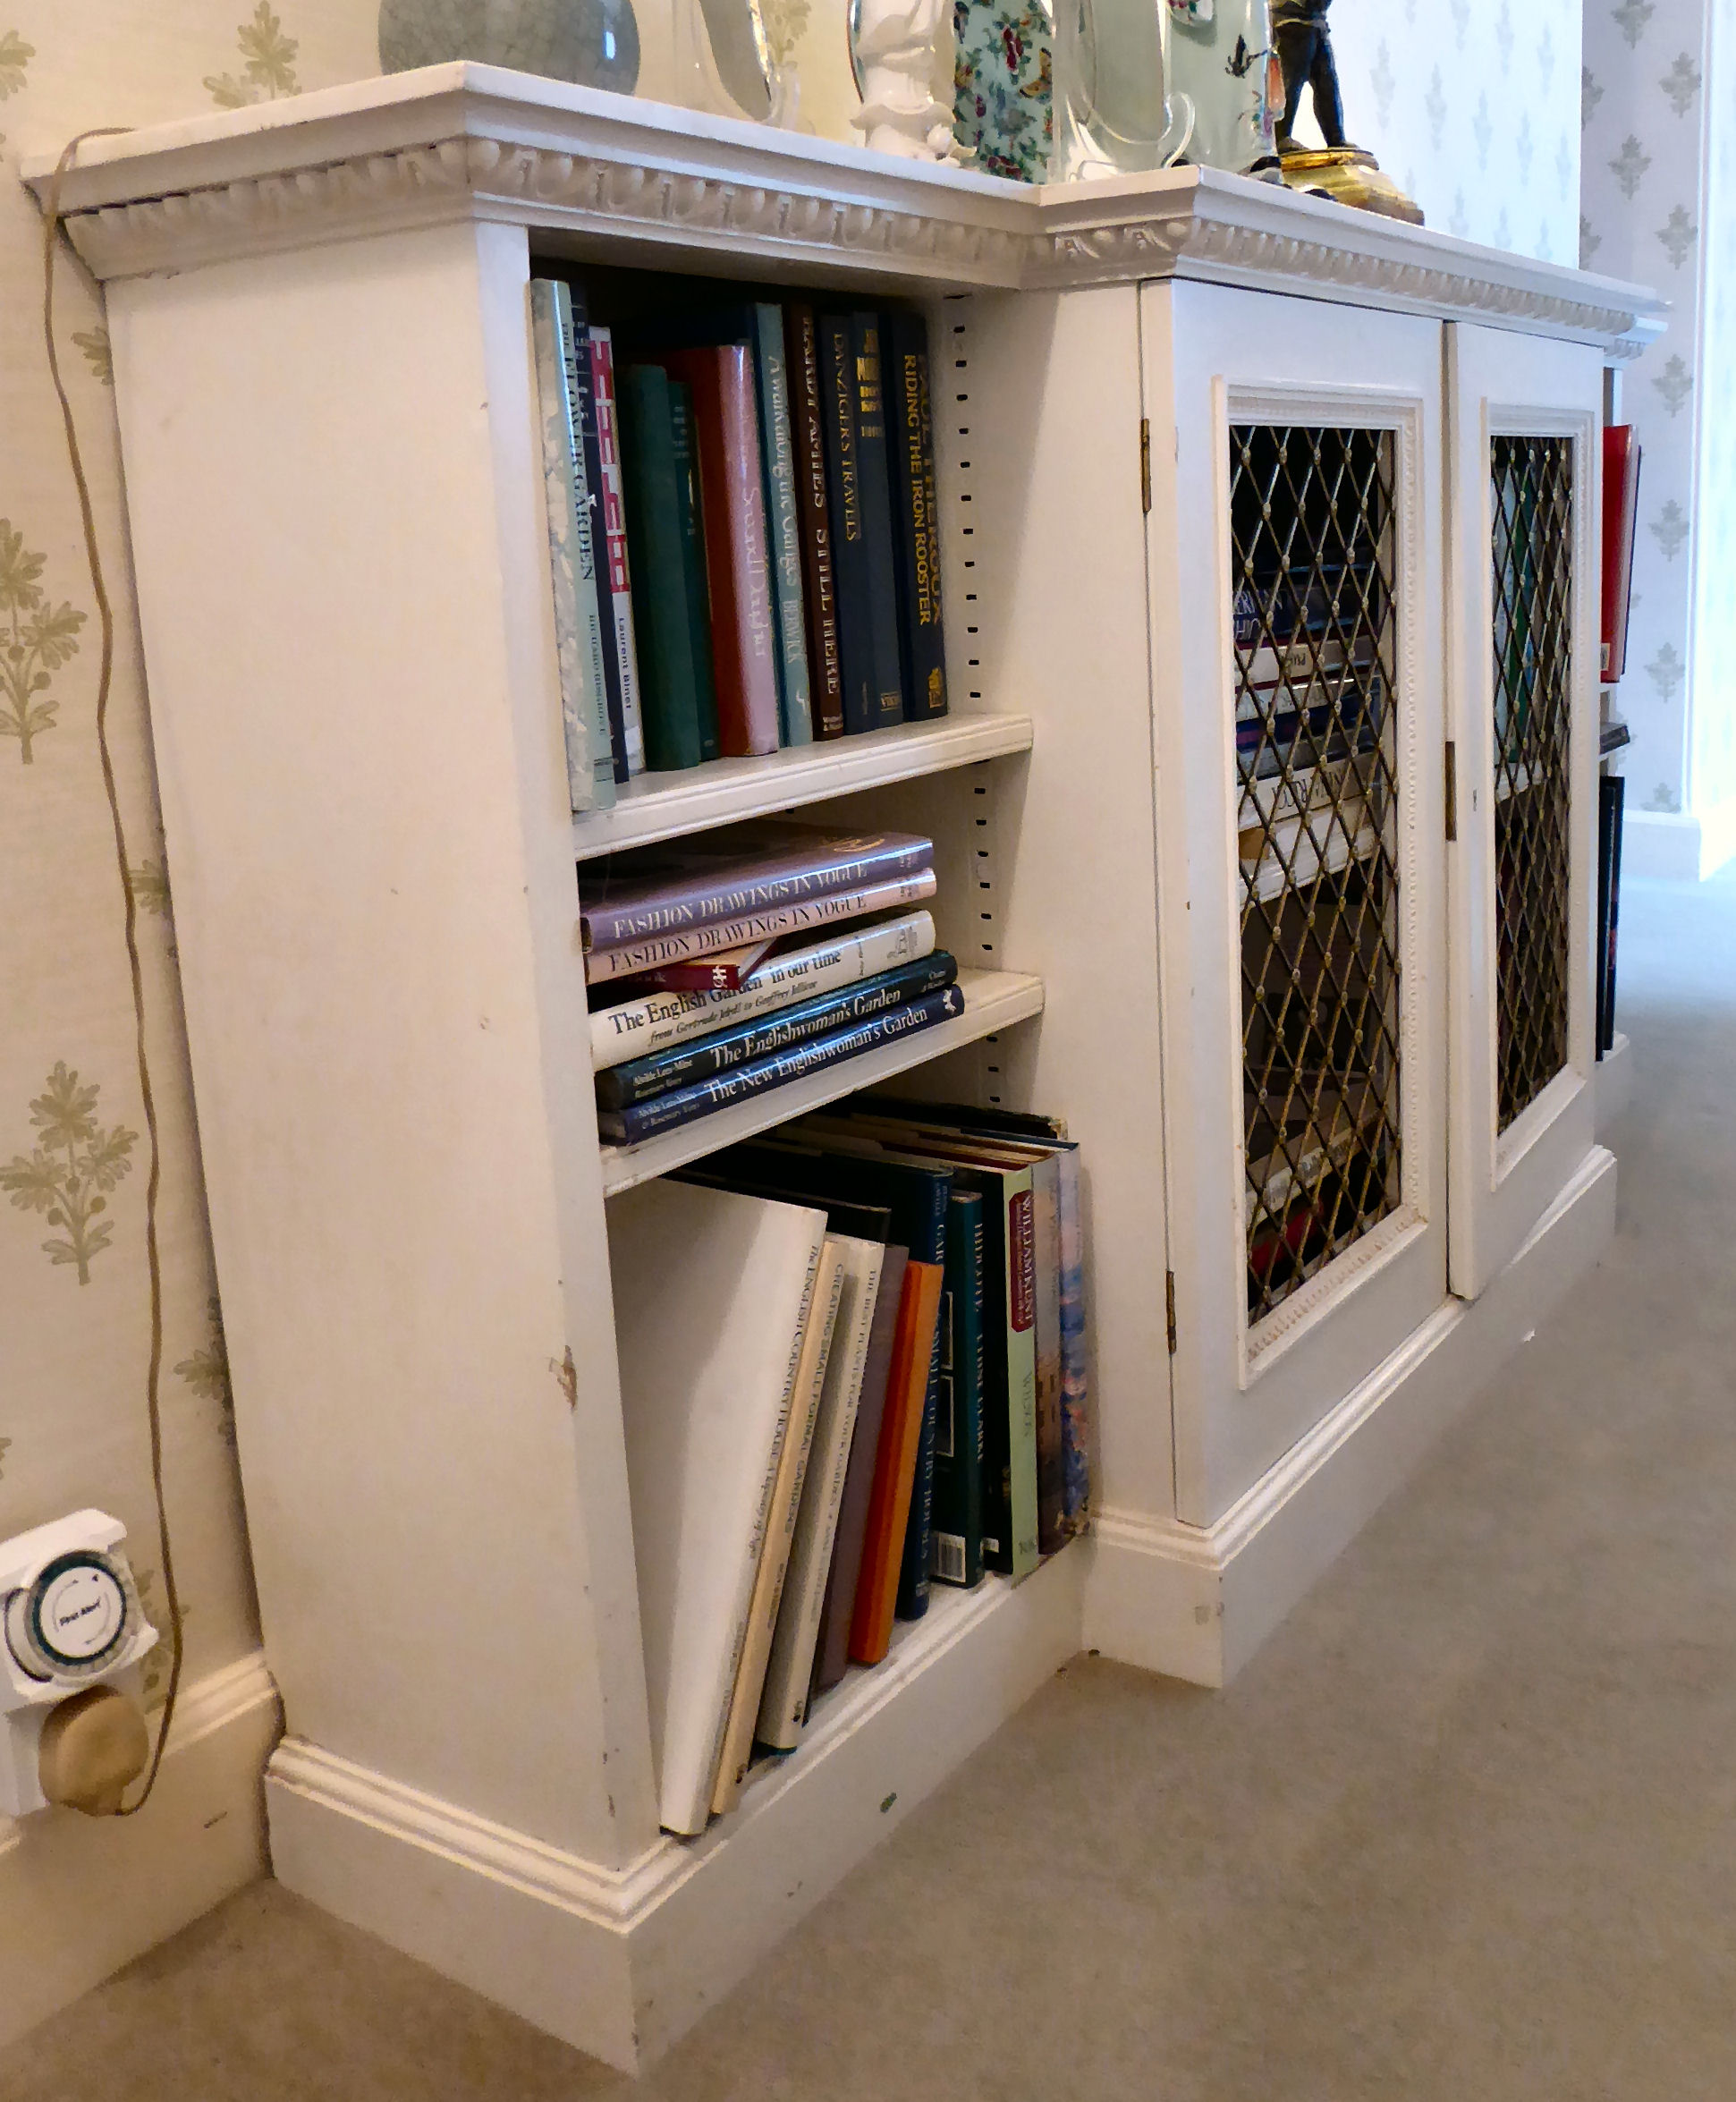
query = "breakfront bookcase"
x=1264 y=821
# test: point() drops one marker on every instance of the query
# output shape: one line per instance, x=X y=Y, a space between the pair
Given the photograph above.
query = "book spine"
x=1010 y=1405
x=688 y=516
x=912 y=1598
x=583 y=382
x=615 y=544
x=643 y=1079
x=588 y=606
x=894 y=1465
x=681 y=1105
x=796 y=917
x=1051 y=1463
x=744 y=663
x=727 y=972
x=562 y=546
x=813 y=872
x=796 y=721
x=1075 y=1359
x=819 y=602
x=916 y=525
x=849 y=560
x=636 y=1028
x=667 y=695
x=956 y=1521
x=887 y=699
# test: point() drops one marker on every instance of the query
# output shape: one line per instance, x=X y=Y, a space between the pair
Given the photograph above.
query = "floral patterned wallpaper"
x=1643 y=106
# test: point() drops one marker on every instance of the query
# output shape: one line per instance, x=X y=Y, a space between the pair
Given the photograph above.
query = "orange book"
x=894 y=1463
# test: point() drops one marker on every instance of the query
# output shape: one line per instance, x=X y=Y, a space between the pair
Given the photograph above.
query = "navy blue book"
x=866 y=341
x=868 y=704
x=681 y=1066
x=681 y=1105
x=915 y=516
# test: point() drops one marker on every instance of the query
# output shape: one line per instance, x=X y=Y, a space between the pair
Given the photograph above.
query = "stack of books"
x=743 y=530
x=723 y=966
x=852 y=1359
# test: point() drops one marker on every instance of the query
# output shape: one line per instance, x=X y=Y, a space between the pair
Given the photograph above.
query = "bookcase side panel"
x=313 y=492
x=1044 y=554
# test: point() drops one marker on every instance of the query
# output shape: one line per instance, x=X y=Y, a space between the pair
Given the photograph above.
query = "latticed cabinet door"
x=1522 y=422
x=1294 y=552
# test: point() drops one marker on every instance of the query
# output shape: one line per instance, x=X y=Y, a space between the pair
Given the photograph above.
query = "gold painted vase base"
x=1348 y=175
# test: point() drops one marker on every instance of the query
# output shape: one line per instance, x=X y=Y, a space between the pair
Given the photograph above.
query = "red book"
x=1621 y=509
x=725 y=973
x=732 y=521
x=895 y=1465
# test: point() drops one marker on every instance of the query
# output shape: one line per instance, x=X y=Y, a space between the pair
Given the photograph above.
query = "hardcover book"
x=682 y=1064
x=693 y=561
x=955 y=1543
x=733 y=519
x=820 y=589
x=725 y=971
x=712 y=1294
x=780 y=1529
x=772 y=370
x=868 y=704
x=737 y=870
x=1621 y=511
x=668 y=691
x=915 y=516
x=895 y=1465
x=872 y=464
x=584 y=688
x=801 y=916
x=629 y=752
x=645 y=1022
x=618 y=569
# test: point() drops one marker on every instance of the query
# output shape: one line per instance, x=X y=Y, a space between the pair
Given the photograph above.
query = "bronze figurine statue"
x=1338 y=170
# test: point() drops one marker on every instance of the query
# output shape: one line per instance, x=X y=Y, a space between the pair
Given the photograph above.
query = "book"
x=871 y=461
x=780 y=1529
x=734 y=870
x=732 y=525
x=1612 y=791
x=867 y=706
x=726 y=971
x=582 y=380
x=800 y=916
x=778 y=464
x=681 y=1065
x=669 y=695
x=819 y=603
x=915 y=516
x=831 y=1644
x=617 y=569
x=711 y=1297
x=955 y=1535
x=645 y=1022
x=894 y=1463
x=1621 y=511
x=783 y=1704
x=693 y=561
x=681 y=1105
x=577 y=631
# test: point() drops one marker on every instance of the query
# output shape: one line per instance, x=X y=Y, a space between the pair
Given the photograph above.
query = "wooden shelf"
x=665 y=806
x=993 y=1000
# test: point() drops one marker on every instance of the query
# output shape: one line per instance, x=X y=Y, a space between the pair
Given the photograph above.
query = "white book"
x=577 y=632
x=655 y=1019
x=712 y=1291
x=780 y=1530
x=783 y=1704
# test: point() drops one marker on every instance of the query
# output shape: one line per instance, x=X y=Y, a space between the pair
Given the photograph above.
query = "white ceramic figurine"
x=893 y=54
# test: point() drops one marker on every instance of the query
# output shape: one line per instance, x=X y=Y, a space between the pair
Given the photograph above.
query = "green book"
x=778 y=465
x=693 y=564
x=669 y=699
x=955 y=1530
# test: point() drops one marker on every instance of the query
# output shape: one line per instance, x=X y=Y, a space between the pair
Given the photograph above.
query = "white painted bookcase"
x=325 y=384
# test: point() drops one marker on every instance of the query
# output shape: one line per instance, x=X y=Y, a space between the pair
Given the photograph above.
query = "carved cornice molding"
x=475 y=143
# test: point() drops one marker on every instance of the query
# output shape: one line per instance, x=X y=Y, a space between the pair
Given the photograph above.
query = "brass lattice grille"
x=1533 y=511
x=1312 y=561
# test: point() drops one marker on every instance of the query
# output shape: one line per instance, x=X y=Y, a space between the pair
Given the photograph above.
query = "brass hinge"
x=1169 y=1307
x=1145 y=462
x=1451 y=790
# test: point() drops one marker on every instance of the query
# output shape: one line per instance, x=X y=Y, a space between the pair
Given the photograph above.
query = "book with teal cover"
x=771 y=369
x=669 y=697
x=577 y=631
x=693 y=561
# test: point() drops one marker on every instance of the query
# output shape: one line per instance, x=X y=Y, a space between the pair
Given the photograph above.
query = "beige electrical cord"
x=51 y=226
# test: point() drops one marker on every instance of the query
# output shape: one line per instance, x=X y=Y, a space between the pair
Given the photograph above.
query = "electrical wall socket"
x=70 y=1619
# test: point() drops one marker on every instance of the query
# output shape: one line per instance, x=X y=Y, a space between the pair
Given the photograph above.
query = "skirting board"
x=1662 y=846
x=80 y=1896
x=1196 y=1602
x=622 y=1964
x=1614 y=1083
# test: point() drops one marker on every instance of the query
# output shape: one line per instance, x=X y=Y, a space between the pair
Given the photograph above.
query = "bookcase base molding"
x=1196 y=1602
x=621 y=1962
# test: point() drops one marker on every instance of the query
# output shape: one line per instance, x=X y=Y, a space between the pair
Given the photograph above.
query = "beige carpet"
x=1465 y=1829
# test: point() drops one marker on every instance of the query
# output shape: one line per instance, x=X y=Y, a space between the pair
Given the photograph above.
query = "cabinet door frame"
x=1501 y=1183
x=1216 y=356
